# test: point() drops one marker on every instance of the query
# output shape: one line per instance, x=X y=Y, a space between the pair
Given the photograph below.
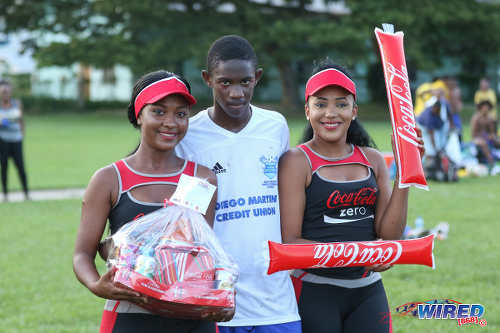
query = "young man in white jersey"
x=242 y=144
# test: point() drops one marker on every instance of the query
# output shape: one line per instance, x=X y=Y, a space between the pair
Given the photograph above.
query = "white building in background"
x=114 y=84
x=55 y=81
x=111 y=84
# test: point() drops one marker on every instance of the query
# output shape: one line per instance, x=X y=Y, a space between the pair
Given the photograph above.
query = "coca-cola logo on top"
x=360 y=253
x=366 y=196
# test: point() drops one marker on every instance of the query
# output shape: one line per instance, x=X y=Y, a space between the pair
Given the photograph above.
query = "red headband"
x=329 y=77
x=159 y=89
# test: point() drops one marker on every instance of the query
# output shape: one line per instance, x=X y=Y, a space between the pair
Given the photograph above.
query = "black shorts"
x=124 y=322
x=326 y=308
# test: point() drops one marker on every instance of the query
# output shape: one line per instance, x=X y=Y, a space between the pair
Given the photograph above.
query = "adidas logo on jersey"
x=218 y=168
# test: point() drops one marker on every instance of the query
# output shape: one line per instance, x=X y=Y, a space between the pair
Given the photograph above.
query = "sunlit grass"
x=38 y=290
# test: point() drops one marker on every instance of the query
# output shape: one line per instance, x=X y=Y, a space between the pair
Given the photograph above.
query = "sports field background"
x=39 y=292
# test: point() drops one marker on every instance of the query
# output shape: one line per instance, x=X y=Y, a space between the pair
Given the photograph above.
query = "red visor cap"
x=160 y=89
x=329 y=77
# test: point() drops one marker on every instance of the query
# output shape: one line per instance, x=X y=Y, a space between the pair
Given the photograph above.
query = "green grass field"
x=38 y=290
x=63 y=150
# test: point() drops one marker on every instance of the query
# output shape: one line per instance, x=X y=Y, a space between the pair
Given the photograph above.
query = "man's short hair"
x=230 y=47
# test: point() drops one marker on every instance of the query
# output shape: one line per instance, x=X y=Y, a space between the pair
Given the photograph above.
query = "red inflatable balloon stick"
x=397 y=85
x=350 y=254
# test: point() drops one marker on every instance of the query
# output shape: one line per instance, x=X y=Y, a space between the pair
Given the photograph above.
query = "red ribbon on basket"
x=350 y=254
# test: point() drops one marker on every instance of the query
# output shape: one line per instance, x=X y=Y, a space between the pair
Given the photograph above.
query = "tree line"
x=288 y=35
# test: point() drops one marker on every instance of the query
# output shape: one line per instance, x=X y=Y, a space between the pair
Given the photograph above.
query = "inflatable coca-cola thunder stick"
x=397 y=85
x=349 y=254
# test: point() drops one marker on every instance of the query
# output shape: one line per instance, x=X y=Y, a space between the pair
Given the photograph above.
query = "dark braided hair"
x=145 y=81
x=356 y=134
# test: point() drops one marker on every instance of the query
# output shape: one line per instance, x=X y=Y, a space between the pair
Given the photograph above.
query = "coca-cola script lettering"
x=350 y=254
x=400 y=88
x=365 y=196
x=404 y=128
x=345 y=254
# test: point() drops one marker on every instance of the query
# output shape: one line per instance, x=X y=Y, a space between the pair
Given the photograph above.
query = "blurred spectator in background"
x=483 y=133
x=11 y=136
x=434 y=126
x=422 y=95
x=440 y=89
x=442 y=147
x=485 y=93
x=426 y=91
x=456 y=104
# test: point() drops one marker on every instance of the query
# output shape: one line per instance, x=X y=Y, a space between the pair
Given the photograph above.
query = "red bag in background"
x=397 y=85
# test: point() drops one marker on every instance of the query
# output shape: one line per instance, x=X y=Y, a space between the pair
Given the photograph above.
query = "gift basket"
x=173 y=256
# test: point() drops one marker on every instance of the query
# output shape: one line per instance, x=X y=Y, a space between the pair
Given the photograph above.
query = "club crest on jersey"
x=270 y=166
x=270 y=170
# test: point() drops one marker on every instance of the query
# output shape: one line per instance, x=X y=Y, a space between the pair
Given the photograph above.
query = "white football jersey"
x=247 y=210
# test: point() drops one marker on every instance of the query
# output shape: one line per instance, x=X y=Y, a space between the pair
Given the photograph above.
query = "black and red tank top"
x=127 y=208
x=338 y=211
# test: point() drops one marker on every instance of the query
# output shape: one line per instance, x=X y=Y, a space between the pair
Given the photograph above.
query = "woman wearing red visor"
x=336 y=187
x=135 y=186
